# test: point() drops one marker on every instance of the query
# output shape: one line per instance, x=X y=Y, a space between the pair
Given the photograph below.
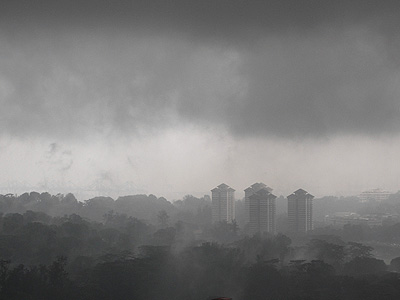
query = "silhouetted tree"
x=395 y=264
x=354 y=250
x=364 y=265
x=264 y=282
x=163 y=218
x=332 y=254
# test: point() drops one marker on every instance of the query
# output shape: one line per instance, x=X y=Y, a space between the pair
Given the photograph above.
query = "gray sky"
x=175 y=97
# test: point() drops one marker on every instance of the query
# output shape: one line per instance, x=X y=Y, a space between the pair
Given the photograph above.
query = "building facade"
x=254 y=188
x=262 y=211
x=300 y=211
x=376 y=195
x=340 y=219
x=223 y=204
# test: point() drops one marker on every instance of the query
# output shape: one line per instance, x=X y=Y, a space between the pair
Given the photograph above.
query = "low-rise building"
x=376 y=195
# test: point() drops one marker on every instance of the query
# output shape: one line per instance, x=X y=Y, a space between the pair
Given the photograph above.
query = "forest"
x=144 y=247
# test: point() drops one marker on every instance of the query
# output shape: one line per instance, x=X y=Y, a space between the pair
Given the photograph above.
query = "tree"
x=354 y=250
x=210 y=270
x=224 y=232
x=364 y=265
x=282 y=244
x=57 y=274
x=264 y=282
x=165 y=236
x=12 y=222
x=330 y=253
x=395 y=264
x=163 y=218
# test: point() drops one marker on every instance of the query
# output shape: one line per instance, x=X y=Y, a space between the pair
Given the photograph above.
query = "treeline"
x=330 y=205
x=190 y=209
x=143 y=247
x=68 y=257
x=37 y=238
x=184 y=222
x=143 y=207
x=249 y=269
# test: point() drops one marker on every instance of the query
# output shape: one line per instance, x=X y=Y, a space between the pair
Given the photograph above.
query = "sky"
x=175 y=97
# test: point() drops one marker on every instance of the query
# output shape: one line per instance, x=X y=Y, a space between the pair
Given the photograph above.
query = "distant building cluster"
x=260 y=208
x=339 y=219
x=375 y=195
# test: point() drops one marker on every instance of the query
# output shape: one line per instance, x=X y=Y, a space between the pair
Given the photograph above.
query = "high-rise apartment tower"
x=300 y=212
x=250 y=191
x=262 y=210
x=223 y=203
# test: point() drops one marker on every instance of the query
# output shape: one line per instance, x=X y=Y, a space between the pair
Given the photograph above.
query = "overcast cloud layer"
x=281 y=68
x=151 y=92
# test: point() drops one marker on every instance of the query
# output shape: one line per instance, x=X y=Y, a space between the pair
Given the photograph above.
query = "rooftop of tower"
x=301 y=192
x=223 y=186
x=258 y=186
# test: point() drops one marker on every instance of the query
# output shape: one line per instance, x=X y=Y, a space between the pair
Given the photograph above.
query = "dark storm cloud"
x=256 y=67
x=206 y=17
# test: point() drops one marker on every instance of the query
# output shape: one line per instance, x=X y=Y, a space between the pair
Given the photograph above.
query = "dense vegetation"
x=144 y=247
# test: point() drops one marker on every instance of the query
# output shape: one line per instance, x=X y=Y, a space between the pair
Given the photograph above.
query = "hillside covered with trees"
x=144 y=247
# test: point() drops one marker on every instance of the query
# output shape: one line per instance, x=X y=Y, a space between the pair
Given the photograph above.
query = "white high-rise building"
x=300 y=212
x=223 y=204
x=254 y=188
x=262 y=210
